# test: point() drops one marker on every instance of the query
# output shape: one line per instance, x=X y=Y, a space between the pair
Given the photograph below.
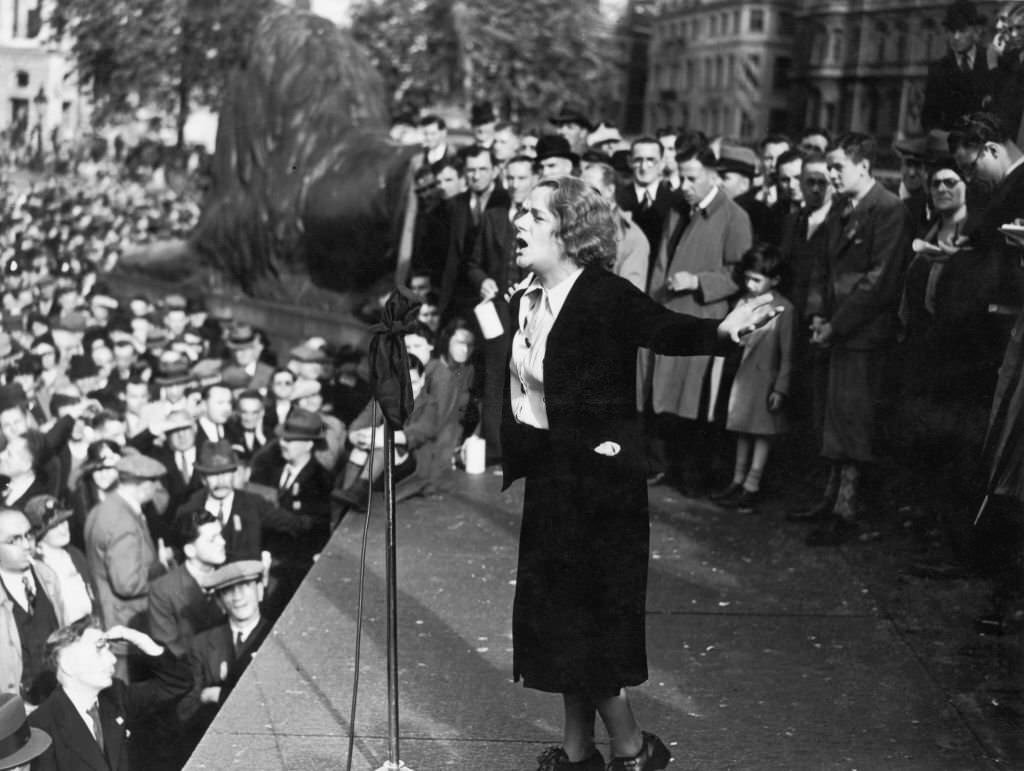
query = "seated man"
x=220 y=655
x=178 y=606
x=91 y=714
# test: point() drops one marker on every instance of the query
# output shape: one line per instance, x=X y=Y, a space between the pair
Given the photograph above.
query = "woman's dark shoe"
x=820 y=513
x=726 y=493
x=555 y=759
x=653 y=756
x=746 y=502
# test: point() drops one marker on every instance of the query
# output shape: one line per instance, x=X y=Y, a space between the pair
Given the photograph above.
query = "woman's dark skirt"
x=578 y=618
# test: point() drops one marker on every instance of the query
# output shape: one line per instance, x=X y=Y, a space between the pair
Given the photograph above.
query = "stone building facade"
x=742 y=69
x=36 y=92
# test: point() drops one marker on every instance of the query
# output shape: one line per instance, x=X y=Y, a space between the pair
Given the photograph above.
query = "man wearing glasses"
x=30 y=609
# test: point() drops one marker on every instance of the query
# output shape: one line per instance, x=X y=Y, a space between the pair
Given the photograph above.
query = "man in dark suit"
x=467 y=211
x=958 y=83
x=243 y=515
x=649 y=198
x=178 y=456
x=303 y=488
x=854 y=315
x=91 y=714
x=219 y=655
x=215 y=412
x=493 y=272
x=245 y=428
x=178 y=606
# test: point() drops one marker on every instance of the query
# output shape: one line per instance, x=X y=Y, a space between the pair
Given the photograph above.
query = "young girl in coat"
x=757 y=400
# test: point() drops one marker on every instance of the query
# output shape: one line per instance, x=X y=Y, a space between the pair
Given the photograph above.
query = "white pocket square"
x=608 y=449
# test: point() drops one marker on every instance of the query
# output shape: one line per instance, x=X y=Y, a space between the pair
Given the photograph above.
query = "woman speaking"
x=570 y=427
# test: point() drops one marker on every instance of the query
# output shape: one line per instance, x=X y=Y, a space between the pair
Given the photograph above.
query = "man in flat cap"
x=120 y=550
x=960 y=81
x=220 y=655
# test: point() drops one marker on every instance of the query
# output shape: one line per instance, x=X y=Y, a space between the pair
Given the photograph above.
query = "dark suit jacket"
x=866 y=258
x=456 y=291
x=590 y=373
x=179 y=609
x=214 y=661
x=249 y=516
x=178 y=488
x=493 y=255
x=652 y=220
x=950 y=93
x=120 y=705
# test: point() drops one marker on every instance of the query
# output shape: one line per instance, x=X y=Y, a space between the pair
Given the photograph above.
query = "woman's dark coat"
x=578 y=620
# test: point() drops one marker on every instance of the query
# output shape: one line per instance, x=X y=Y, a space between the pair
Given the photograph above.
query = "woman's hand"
x=775 y=400
x=683 y=281
x=748 y=316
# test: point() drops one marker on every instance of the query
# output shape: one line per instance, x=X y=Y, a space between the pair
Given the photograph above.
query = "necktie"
x=250 y=439
x=286 y=477
x=964 y=64
x=475 y=210
x=183 y=465
x=222 y=513
x=238 y=641
x=97 y=727
x=647 y=203
x=30 y=592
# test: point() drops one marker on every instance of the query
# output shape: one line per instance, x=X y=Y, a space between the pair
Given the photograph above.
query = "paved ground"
x=764 y=654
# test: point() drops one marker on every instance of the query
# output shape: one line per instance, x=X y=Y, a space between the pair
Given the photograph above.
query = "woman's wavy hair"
x=585 y=222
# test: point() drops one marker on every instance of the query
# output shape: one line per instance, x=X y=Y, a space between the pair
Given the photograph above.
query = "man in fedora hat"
x=245 y=347
x=959 y=82
x=303 y=487
x=244 y=516
x=555 y=157
x=220 y=655
x=574 y=125
x=20 y=743
x=179 y=608
x=31 y=607
x=121 y=552
x=91 y=715
x=177 y=454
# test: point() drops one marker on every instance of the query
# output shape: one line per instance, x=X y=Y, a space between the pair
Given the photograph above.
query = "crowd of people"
x=168 y=479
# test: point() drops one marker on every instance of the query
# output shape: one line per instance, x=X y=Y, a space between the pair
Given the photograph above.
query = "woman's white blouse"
x=538 y=309
x=73 y=590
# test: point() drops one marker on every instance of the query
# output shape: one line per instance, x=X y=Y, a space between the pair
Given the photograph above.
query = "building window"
x=746 y=125
x=713 y=26
x=781 y=72
x=752 y=69
x=756 y=20
x=837 y=45
x=21 y=78
x=735 y=22
x=787 y=24
x=35 y=21
x=691 y=74
x=719 y=72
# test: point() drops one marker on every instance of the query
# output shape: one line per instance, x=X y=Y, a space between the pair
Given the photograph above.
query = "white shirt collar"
x=245 y=629
x=652 y=189
x=706 y=201
x=82 y=699
x=557 y=294
x=1014 y=165
x=214 y=505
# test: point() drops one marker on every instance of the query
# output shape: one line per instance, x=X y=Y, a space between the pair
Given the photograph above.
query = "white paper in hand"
x=487 y=318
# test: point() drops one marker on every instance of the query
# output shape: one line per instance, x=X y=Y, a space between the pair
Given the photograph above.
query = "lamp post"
x=39 y=101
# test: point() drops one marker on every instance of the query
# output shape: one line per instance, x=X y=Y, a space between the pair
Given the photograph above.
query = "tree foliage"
x=527 y=57
x=166 y=54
